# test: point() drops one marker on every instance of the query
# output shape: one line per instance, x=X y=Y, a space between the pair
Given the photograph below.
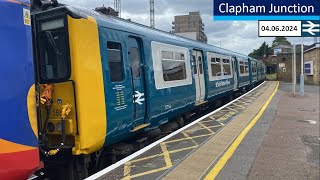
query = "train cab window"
x=173 y=66
x=135 y=62
x=52 y=44
x=115 y=61
x=226 y=65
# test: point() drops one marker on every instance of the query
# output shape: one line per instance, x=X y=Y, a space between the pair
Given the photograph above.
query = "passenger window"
x=173 y=67
x=115 y=61
x=167 y=55
x=226 y=67
x=215 y=67
x=135 y=62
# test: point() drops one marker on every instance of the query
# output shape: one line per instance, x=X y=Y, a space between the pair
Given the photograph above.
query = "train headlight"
x=59 y=127
x=50 y=127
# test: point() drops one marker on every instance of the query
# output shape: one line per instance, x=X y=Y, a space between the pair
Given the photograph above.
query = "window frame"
x=173 y=59
x=38 y=42
x=254 y=64
x=139 y=63
x=211 y=55
x=156 y=52
x=311 y=68
x=244 y=65
x=122 y=60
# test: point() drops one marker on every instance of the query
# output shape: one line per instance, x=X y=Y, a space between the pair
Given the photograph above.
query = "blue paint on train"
x=159 y=105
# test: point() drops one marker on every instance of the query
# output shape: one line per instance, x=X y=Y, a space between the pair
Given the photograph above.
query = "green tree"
x=280 y=41
x=263 y=51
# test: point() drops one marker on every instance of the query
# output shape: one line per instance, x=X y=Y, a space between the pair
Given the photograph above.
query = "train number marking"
x=138 y=97
x=56 y=112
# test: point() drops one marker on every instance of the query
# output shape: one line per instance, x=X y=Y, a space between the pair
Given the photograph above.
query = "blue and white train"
x=108 y=79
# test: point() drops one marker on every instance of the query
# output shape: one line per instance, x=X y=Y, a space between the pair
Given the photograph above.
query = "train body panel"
x=19 y=155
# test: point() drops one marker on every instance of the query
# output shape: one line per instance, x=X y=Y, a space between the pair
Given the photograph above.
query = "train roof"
x=139 y=29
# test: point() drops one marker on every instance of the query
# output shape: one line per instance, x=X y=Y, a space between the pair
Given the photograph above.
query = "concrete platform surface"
x=284 y=143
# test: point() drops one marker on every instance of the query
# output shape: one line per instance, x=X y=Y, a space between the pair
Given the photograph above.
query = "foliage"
x=272 y=77
x=263 y=51
x=280 y=41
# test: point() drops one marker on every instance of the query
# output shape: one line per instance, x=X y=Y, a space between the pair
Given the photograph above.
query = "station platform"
x=266 y=134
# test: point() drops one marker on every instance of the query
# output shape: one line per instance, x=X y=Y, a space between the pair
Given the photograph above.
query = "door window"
x=200 y=65
x=194 y=64
x=135 y=62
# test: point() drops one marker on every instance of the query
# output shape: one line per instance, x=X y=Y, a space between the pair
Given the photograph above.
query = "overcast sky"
x=239 y=36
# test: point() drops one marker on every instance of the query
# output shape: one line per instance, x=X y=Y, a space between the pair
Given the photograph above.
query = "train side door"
x=138 y=82
x=235 y=75
x=197 y=61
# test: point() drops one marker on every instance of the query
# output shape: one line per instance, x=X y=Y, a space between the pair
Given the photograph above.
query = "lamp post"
x=302 y=71
x=294 y=79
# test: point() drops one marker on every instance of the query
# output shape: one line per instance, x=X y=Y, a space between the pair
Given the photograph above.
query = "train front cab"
x=86 y=70
x=19 y=154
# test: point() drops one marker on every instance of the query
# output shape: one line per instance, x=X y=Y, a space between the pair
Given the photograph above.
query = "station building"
x=312 y=64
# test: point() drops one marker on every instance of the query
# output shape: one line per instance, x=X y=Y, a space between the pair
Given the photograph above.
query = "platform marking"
x=126 y=171
x=143 y=150
x=205 y=127
x=193 y=141
x=191 y=137
x=166 y=154
x=230 y=151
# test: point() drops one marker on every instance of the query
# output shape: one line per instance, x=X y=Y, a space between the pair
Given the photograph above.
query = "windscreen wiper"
x=52 y=43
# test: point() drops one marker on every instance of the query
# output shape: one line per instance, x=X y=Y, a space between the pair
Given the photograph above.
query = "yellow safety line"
x=166 y=154
x=230 y=151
